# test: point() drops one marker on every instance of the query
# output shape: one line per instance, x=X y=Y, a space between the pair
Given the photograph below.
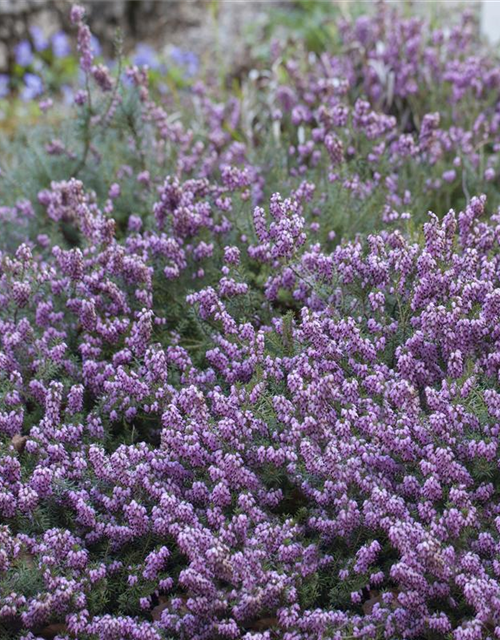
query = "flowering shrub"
x=248 y=390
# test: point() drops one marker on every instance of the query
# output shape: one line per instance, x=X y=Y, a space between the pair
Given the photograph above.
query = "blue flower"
x=68 y=94
x=186 y=59
x=23 y=53
x=39 y=40
x=60 y=45
x=96 y=46
x=146 y=55
x=4 y=85
x=33 y=87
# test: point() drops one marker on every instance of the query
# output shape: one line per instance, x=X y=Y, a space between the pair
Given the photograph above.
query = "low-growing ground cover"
x=249 y=384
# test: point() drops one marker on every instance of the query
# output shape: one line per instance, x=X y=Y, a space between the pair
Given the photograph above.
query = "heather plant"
x=248 y=383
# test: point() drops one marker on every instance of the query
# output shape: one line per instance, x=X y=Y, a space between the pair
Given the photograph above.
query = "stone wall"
x=190 y=24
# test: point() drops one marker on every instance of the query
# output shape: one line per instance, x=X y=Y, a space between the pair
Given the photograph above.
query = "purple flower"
x=84 y=46
x=77 y=13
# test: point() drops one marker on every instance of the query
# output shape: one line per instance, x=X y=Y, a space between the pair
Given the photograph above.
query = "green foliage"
x=309 y=21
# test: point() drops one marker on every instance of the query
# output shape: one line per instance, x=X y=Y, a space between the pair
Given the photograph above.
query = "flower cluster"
x=230 y=410
x=37 y=61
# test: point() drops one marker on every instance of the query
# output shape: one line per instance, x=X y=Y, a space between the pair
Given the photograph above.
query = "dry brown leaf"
x=263 y=624
x=163 y=603
x=27 y=558
x=19 y=442
x=158 y=610
x=52 y=630
x=375 y=598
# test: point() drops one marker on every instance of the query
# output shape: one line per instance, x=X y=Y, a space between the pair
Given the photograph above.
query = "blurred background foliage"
x=178 y=40
x=240 y=51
